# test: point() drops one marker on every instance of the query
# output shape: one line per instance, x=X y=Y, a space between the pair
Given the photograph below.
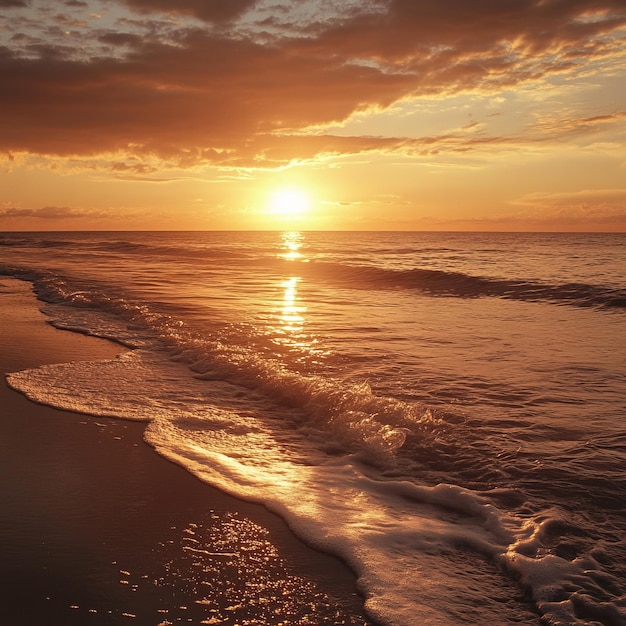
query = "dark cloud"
x=7 y=4
x=121 y=39
x=208 y=10
x=222 y=98
x=206 y=93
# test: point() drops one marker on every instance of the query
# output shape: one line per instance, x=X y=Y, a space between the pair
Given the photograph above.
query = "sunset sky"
x=379 y=114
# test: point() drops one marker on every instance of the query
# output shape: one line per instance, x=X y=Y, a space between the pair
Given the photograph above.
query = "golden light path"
x=291 y=244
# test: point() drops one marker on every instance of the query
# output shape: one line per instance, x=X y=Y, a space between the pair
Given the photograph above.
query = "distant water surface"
x=445 y=411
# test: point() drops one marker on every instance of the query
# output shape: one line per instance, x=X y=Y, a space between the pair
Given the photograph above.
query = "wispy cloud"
x=590 y=209
x=568 y=122
x=46 y=213
x=588 y=204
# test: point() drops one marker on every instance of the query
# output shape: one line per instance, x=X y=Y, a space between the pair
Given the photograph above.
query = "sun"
x=290 y=202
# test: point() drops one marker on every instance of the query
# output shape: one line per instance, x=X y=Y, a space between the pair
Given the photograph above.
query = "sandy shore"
x=96 y=528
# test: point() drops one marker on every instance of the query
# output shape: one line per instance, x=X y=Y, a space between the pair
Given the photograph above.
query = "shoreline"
x=95 y=525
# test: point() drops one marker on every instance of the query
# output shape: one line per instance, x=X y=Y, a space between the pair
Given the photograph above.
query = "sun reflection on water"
x=291 y=243
x=292 y=317
x=291 y=313
x=288 y=324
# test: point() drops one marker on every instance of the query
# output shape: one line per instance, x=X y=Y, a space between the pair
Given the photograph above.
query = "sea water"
x=444 y=411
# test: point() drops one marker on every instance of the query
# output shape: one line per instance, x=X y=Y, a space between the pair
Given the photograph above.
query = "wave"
x=382 y=525
x=441 y=283
x=169 y=252
x=342 y=417
x=28 y=242
x=90 y=243
x=346 y=417
x=322 y=453
x=353 y=272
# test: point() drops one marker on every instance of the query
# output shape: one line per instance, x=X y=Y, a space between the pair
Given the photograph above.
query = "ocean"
x=444 y=411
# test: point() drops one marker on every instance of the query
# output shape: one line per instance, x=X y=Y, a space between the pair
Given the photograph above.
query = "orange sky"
x=387 y=114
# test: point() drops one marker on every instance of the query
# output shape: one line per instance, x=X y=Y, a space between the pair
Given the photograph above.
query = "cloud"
x=73 y=218
x=207 y=10
x=592 y=208
x=13 y=3
x=566 y=122
x=48 y=212
x=608 y=201
x=121 y=39
x=240 y=96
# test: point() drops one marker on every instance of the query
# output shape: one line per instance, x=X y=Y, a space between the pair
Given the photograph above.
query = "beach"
x=96 y=528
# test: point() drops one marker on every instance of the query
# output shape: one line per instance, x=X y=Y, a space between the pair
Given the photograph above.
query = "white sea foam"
x=397 y=535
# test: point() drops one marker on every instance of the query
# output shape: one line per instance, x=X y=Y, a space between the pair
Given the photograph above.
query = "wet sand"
x=96 y=528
